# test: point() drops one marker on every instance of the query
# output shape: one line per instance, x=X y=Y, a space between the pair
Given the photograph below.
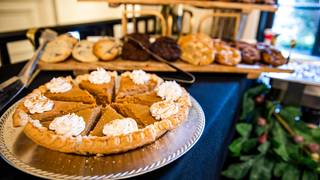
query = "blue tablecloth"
x=218 y=95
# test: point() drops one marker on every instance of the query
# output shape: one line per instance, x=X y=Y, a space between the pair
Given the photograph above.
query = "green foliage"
x=279 y=156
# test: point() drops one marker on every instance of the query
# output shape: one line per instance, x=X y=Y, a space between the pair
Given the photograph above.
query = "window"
x=298 y=20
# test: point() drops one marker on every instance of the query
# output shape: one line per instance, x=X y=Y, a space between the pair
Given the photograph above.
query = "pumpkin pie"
x=59 y=108
x=108 y=114
x=63 y=89
x=141 y=113
x=147 y=98
x=89 y=116
x=131 y=83
x=145 y=108
x=104 y=91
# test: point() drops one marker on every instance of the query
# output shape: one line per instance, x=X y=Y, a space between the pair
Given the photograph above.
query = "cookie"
x=56 y=51
x=167 y=48
x=132 y=51
x=273 y=57
x=83 y=51
x=249 y=52
x=226 y=55
x=107 y=49
x=69 y=39
x=197 y=49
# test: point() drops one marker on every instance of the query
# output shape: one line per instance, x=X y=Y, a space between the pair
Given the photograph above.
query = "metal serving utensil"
x=191 y=78
x=13 y=86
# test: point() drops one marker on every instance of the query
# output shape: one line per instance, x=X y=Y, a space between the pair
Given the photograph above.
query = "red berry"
x=313 y=147
x=298 y=139
x=262 y=121
x=312 y=126
x=260 y=99
x=263 y=138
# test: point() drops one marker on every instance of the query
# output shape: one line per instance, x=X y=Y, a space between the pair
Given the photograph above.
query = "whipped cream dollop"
x=59 y=85
x=99 y=76
x=139 y=77
x=68 y=125
x=38 y=103
x=36 y=123
x=169 y=90
x=164 y=109
x=120 y=126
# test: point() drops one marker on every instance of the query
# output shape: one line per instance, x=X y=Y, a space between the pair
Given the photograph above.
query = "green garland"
x=272 y=142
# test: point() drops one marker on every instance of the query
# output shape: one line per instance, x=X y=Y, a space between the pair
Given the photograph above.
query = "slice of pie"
x=108 y=114
x=147 y=98
x=128 y=87
x=141 y=113
x=75 y=94
x=59 y=108
x=102 y=92
x=89 y=116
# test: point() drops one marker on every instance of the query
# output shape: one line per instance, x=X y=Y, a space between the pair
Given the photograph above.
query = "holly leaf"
x=308 y=175
x=249 y=144
x=262 y=169
x=260 y=130
x=236 y=146
x=291 y=114
x=239 y=170
x=248 y=104
x=291 y=173
x=244 y=129
x=279 y=138
x=263 y=148
x=279 y=169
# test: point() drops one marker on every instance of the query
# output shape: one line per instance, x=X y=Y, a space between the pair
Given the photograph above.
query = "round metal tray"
x=24 y=154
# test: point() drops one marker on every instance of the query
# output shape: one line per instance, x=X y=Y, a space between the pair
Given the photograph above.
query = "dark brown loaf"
x=132 y=51
x=166 y=48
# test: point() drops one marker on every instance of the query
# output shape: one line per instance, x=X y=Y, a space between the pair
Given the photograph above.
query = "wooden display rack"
x=252 y=71
x=199 y=3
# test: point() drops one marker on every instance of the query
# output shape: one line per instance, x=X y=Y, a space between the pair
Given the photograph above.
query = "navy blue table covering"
x=219 y=95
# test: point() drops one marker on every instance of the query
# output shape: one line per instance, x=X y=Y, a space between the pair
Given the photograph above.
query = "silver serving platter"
x=25 y=155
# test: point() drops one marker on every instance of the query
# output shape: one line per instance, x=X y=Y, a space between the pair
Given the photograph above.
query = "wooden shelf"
x=252 y=71
x=199 y=3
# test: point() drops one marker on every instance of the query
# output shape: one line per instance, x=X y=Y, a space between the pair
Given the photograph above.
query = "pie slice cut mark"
x=102 y=92
x=89 y=116
x=75 y=94
x=60 y=108
x=147 y=98
x=138 y=112
x=127 y=87
x=108 y=114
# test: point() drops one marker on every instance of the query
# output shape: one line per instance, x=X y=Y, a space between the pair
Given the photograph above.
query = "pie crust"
x=100 y=145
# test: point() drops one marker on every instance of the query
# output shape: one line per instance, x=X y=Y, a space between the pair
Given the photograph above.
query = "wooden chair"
x=220 y=23
x=157 y=14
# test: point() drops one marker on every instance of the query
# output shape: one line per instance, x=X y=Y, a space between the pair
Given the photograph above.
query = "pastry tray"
x=252 y=71
x=25 y=155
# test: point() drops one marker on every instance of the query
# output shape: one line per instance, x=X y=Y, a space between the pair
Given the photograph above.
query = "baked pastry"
x=249 y=52
x=56 y=51
x=69 y=39
x=197 y=49
x=107 y=49
x=226 y=55
x=273 y=57
x=83 y=51
x=141 y=113
x=136 y=82
x=108 y=115
x=147 y=98
x=75 y=127
x=132 y=51
x=167 y=48
x=37 y=106
x=63 y=89
x=100 y=83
